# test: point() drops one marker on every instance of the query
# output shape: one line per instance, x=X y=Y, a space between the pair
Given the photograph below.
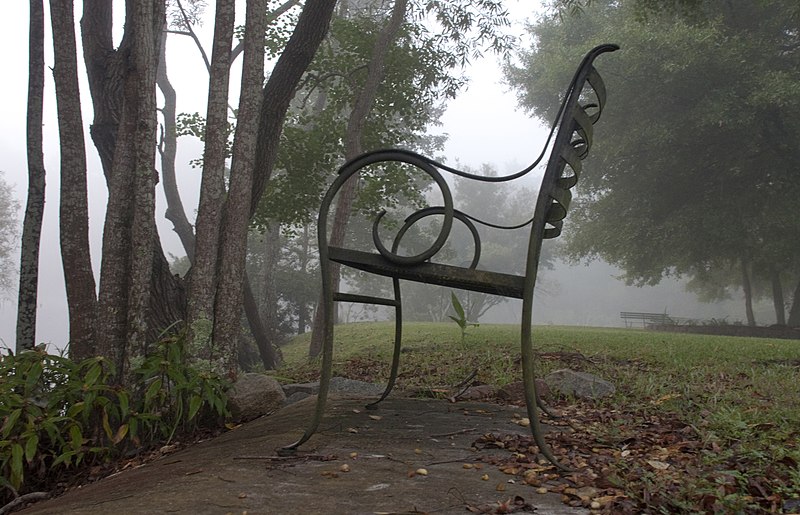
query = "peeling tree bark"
x=34 y=208
x=74 y=202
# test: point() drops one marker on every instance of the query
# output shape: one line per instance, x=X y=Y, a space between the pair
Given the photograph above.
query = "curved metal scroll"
x=431 y=211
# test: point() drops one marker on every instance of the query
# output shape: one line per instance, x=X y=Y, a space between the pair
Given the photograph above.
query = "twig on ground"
x=33 y=496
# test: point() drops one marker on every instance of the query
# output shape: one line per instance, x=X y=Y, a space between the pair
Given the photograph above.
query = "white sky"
x=483 y=123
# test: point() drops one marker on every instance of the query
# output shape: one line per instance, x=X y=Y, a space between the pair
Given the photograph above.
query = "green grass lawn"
x=737 y=400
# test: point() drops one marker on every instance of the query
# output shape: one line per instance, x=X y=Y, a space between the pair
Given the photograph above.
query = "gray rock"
x=582 y=385
x=515 y=392
x=295 y=397
x=338 y=386
x=306 y=388
x=254 y=395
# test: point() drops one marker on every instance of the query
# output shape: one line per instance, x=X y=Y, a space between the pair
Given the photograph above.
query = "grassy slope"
x=740 y=396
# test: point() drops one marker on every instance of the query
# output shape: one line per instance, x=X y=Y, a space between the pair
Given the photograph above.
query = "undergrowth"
x=59 y=416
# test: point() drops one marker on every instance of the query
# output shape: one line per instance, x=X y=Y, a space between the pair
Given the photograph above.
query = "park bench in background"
x=634 y=317
x=571 y=139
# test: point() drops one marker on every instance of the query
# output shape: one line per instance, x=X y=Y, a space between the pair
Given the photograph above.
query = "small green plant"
x=461 y=317
x=57 y=414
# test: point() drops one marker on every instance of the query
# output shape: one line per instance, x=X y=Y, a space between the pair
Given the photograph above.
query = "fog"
x=484 y=126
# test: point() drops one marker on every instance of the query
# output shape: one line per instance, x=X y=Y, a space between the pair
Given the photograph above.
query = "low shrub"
x=58 y=415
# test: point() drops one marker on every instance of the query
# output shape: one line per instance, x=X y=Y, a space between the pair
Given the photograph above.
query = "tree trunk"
x=124 y=99
x=74 y=203
x=794 y=312
x=748 y=292
x=269 y=304
x=203 y=279
x=777 y=297
x=34 y=208
x=236 y=213
x=353 y=147
x=264 y=340
x=167 y=149
x=104 y=69
x=312 y=26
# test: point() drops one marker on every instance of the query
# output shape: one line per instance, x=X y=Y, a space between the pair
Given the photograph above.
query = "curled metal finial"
x=438 y=210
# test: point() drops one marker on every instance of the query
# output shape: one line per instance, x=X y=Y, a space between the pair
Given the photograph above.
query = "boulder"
x=581 y=385
x=338 y=386
x=254 y=395
x=514 y=393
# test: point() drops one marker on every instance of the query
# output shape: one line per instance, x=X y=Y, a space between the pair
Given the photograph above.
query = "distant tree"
x=8 y=234
x=696 y=168
x=34 y=209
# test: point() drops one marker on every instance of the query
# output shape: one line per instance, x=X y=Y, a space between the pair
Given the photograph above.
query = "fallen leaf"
x=375 y=417
x=421 y=472
x=345 y=468
x=658 y=465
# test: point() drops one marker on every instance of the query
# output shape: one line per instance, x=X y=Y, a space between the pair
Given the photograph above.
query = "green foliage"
x=58 y=415
x=694 y=169
x=194 y=124
x=461 y=317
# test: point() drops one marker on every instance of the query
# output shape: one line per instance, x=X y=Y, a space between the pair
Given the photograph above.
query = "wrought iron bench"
x=571 y=138
x=646 y=318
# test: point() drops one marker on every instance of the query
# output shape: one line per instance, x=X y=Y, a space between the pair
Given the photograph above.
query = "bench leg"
x=327 y=366
x=532 y=400
x=398 y=341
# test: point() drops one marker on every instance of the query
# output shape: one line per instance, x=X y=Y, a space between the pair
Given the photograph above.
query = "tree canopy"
x=696 y=168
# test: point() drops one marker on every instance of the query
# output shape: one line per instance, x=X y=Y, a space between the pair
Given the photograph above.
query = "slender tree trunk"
x=794 y=312
x=269 y=304
x=203 y=279
x=311 y=28
x=748 y=292
x=168 y=148
x=305 y=259
x=353 y=147
x=74 y=203
x=236 y=214
x=777 y=297
x=261 y=334
x=34 y=208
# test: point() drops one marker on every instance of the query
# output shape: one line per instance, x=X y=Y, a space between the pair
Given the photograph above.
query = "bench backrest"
x=573 y=140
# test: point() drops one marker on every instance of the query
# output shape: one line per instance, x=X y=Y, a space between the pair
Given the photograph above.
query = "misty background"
x=483 y=125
